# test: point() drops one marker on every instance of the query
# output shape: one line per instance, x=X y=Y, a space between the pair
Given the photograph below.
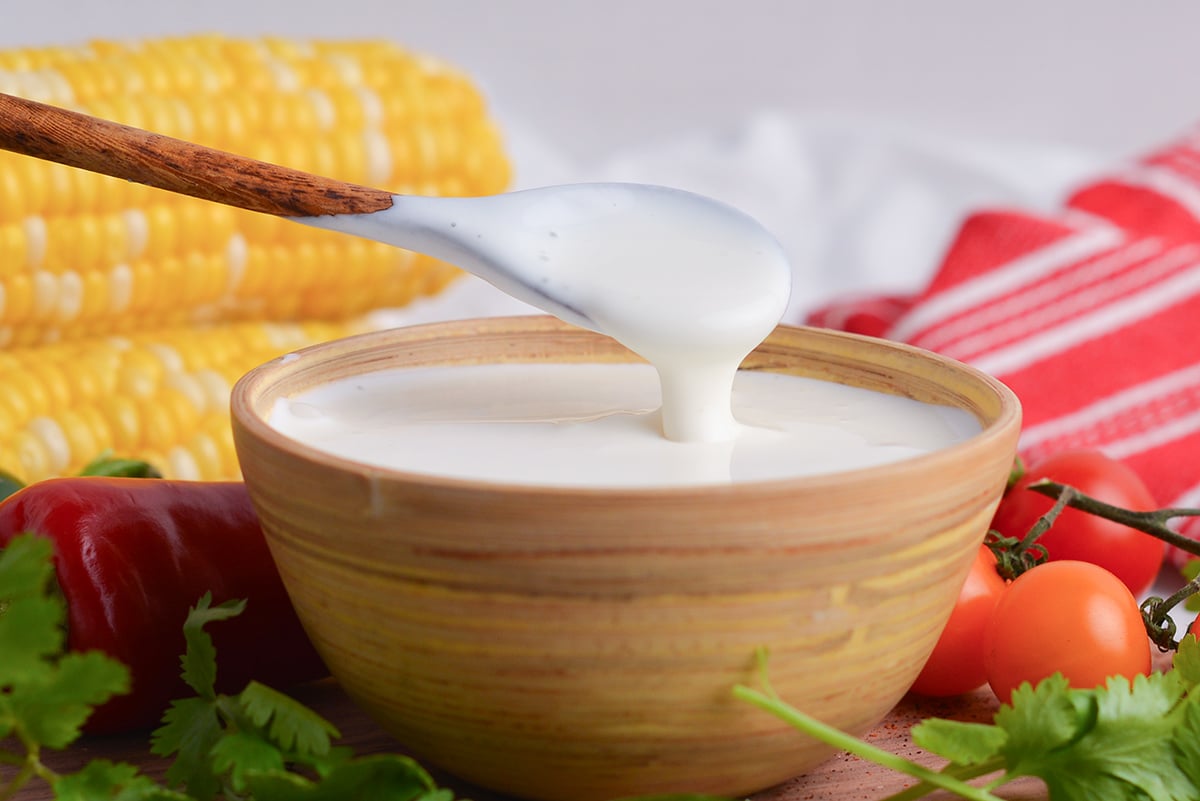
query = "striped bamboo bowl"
x=581 y=644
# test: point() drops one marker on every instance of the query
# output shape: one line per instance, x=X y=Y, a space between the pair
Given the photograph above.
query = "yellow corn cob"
x=161 y=396
x=85 y=255
x=127 y=313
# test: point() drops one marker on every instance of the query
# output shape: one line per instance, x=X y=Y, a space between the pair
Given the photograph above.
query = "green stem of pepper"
x=117 y=467
x=103 y=465
x=8 y=484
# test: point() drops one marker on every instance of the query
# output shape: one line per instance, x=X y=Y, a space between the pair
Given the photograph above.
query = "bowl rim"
x=1006 y=424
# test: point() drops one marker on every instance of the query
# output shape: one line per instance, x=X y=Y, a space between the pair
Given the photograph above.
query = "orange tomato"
x=956 y=664
x=1068 y=617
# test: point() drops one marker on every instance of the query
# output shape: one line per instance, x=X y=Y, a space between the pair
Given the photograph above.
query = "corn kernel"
x=182 y=465
x=81 y=433
x=140 y=374
x=121 y=414
x=54 y=442
x=33 y=461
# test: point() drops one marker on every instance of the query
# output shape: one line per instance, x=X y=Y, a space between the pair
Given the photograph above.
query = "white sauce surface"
x=597 y=425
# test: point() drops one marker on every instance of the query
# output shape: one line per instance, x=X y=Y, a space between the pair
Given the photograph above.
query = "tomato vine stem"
x=1013 y=556
x=1153 y=522
x=1156 y=615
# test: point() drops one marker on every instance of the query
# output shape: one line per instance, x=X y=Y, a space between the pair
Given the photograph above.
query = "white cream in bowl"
x=598 y=425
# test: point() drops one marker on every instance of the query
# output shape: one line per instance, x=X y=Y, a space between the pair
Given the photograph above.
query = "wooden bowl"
x=577 y=644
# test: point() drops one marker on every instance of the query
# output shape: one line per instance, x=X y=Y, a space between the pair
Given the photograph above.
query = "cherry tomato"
x=956 y=664
x=1067 y=617
x=1130 y=555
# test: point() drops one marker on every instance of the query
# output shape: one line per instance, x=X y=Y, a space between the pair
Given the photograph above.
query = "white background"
x=593 y=76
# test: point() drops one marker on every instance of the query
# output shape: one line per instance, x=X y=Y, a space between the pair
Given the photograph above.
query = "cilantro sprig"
x=46 y=695
x=257 y=745
x=1126 y=741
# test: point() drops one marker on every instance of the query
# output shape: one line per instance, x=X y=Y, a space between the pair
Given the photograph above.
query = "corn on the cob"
x=162 y=396
x=126 y=313
x=83 y=254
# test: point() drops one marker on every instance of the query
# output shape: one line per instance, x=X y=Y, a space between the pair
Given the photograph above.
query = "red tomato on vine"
x=1067 y=617
x=956 y=664
x=1131 y=555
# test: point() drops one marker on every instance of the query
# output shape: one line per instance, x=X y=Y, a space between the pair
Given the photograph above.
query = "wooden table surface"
x=842 y=778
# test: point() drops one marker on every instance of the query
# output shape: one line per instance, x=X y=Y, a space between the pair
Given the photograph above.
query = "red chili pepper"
x=132 y=555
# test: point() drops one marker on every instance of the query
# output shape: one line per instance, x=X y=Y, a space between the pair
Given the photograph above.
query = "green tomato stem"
x=1014 y=557
x=1180 y=595
x=1043 y=523
x=1156 y=615
x=845 y=742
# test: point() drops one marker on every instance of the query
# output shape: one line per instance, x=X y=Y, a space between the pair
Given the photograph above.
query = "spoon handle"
x=78 y=140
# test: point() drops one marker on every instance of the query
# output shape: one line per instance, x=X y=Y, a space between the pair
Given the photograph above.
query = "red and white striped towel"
x=1092 y=316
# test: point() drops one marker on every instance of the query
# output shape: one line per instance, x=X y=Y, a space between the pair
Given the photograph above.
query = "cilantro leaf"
x=31 y=618
x=445 y=794
x=1040 y=719
x=241 y=753
x=280 y=786
x=290 y=724
x=442 y=794
x=25 y=566
x=30 y=634
x=190 y=729
x=961 y=743
x=45 y=694
x=380 y=777
x=1187 y=742
x=1187 y=661
x=119 y=782
x=1117 y=746
x=199 y=661
x=53 y=708
x=326 y=763
x=8 y=722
